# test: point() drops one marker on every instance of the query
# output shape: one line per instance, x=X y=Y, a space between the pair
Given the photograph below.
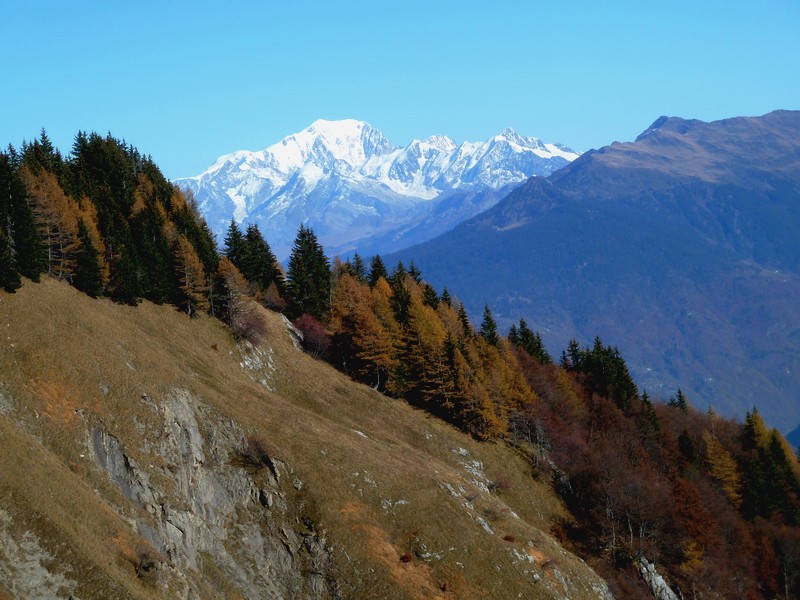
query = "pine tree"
x=234 y=245
x=376 y=271
x=88 y=275
x=9 y=275
x=16 y=219
x=309 y=277
x=415 y=273
x=358 y=268
x=489 y=327
x=429 y=296
x=445 y=298
x=466 y=326
x=258 y=263
x=399 y=273
x=532 y=344
x=679 y=402
x=401 y=297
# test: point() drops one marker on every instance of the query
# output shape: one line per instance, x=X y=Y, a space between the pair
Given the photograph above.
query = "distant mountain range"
x=682 y=248
x=346 y=181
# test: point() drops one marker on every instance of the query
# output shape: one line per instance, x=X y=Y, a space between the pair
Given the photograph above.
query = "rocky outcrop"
x=24 y=566
x=655 y=581
x=210 y=499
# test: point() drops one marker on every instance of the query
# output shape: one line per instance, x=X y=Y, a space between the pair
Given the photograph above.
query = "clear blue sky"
x=189 y=81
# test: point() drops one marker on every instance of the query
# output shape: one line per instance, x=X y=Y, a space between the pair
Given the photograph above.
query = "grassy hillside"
x=370 y=497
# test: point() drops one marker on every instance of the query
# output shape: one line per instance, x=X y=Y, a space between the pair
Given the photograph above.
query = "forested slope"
x=459 y=440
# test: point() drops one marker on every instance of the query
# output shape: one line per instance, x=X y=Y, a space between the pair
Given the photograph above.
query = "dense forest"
x=712 y=502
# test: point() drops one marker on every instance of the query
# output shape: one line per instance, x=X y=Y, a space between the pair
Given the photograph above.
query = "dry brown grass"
x=374 y=467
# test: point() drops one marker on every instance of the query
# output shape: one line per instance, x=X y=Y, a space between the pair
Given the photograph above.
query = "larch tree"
x=231 y=302
x=56 y=221
x=722 y=467
x=191 y=277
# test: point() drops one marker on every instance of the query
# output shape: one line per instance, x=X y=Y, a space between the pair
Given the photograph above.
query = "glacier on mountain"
x=358 y=192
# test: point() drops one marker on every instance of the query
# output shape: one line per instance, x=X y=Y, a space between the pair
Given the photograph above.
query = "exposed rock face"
x=655 y=581
x=23 y=566
x=213 y=498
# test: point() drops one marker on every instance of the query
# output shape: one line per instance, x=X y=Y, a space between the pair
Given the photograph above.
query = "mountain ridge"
x=708 y=253
x=345 y=179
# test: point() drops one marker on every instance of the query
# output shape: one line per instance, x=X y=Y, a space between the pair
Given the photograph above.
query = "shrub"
x=253 y=454
x=316 y=340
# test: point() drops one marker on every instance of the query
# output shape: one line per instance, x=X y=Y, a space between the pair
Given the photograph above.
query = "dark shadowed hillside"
x=681 y=247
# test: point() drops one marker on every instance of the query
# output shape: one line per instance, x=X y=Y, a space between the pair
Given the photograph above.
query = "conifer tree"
x=532 y=344
x=415 y=273
x=445 y=298
x=679 y=402
x=88 y=274
x=489 y=327
x=56 y=221
x=377 y=270
x=466 y=326
x=234 y=245
x=230 y=301
x=358 y=268
x=191 y=277
x=401 y=297
x=722 y=467
x=16 y=219
x=399 y=273
x=308 y=277
x=9 y=275
x=258 y=263
x=429 y=296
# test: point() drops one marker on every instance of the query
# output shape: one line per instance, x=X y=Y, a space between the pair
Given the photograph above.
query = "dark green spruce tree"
x=532 y=344
x=415 y=273
x=259 y=265
x=9 y=275
x=489 y=327
x=377 y=270
x=445 y=298
x=88 y=275
x=234 y=245
x=358 y=268
x=308 y=283
x=466 y=326
x=16 y=218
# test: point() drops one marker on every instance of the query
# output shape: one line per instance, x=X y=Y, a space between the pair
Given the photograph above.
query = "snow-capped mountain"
x=346 y=181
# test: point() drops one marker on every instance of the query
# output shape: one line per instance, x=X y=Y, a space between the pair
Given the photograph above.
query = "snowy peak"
x=347 y=141
x=344 y=178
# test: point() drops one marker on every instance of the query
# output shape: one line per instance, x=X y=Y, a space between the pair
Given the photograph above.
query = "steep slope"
x=346 y=181
x=146 y=455
x=681 y=247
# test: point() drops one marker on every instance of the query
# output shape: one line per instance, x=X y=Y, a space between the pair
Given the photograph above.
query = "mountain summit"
x=345 y=180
